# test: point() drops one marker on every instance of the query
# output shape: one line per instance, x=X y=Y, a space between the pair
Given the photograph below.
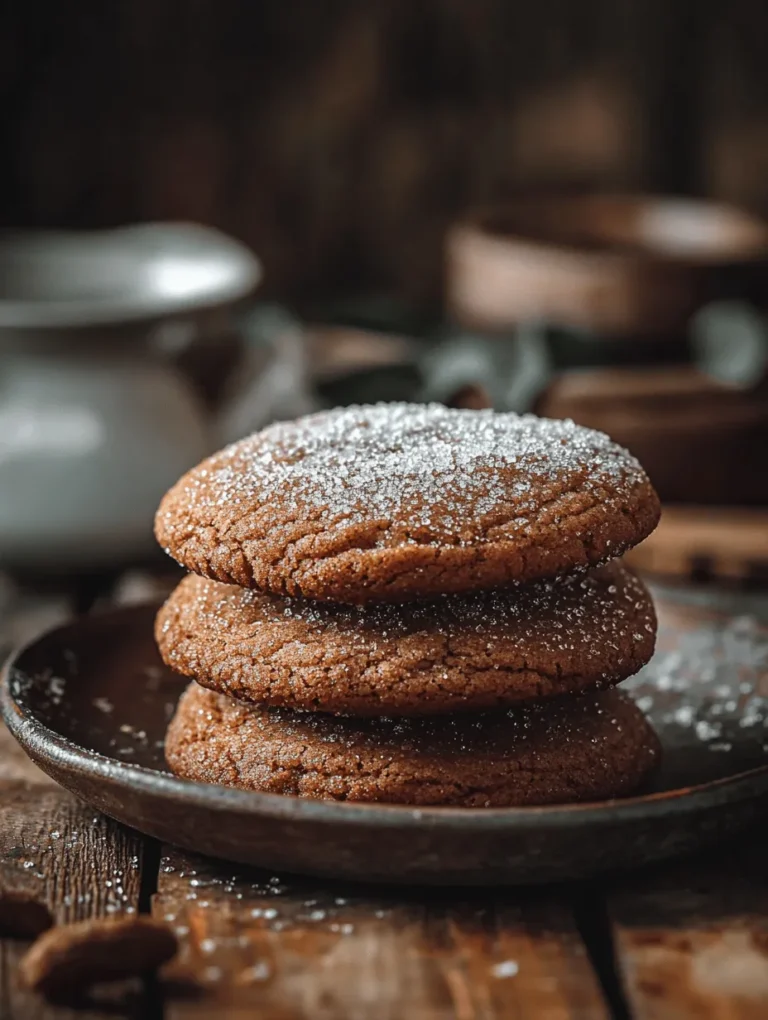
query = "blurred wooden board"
x=294 y=948
x=719 y=543
x=693 y=941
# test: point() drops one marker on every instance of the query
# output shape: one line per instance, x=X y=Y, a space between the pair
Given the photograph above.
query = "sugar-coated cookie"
x=452 y=654
x=584 y=747
x=401 y=501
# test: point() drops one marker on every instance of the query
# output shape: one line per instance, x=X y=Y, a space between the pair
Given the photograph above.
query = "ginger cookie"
x=392 y=502
x=452 y=654
x=68 y=959
x=585 y=747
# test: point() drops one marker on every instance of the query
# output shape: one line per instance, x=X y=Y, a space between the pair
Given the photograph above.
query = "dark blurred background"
x=343 y=142
x=339 y=139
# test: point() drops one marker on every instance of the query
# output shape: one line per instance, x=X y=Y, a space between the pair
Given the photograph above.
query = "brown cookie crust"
x=392 y=502
x=586 y=747
x=451 y=654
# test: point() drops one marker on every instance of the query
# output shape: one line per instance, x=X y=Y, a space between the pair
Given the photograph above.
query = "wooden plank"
x=86 y=866
x=298 y=949
x=733 y=542
x=693 y=941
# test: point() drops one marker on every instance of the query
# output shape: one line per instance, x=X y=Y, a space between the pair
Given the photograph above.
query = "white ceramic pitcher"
x=95 y=423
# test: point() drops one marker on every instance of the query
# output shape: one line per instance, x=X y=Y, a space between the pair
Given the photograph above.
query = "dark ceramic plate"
x=90 y=702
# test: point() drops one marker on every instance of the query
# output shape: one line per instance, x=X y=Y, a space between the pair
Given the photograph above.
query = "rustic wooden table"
x=689 y=940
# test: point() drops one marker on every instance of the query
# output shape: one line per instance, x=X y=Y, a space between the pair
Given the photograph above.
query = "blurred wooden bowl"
x=700 y=440
x=618 y=265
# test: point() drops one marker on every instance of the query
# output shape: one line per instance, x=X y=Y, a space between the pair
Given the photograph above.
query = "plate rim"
x=43 y=744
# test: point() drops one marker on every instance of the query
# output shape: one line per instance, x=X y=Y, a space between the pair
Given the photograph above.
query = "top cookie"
x=400 y=501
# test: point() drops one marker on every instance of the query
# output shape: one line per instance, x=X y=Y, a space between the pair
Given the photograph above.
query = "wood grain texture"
x=85 y=866
x=296 y=949
x=692 y=941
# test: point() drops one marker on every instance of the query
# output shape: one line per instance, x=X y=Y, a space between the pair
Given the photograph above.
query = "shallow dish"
x=90 y=702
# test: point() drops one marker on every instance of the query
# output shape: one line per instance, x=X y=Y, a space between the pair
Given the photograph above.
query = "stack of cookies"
x=411 y=604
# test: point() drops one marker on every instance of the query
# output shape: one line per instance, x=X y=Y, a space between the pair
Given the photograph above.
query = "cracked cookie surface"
x=452 y=654
x=392 y=502
x=586 y=747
